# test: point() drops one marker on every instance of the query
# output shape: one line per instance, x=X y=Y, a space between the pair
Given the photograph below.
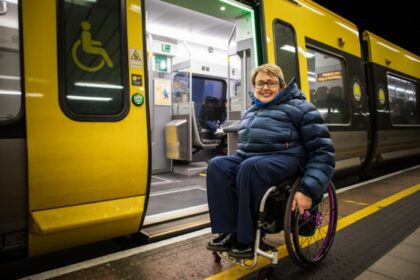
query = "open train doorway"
x=200 y=55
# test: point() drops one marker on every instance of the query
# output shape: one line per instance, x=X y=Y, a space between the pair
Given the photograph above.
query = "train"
x=99 y=98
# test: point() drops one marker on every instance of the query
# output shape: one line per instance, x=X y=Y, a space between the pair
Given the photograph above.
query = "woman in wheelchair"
x=280 y=136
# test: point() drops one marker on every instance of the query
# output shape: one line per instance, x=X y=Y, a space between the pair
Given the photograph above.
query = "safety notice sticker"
x=136 y=58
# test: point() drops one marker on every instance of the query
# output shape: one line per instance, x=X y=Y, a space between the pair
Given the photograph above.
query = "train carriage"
x=394 y=89
x=99 y=99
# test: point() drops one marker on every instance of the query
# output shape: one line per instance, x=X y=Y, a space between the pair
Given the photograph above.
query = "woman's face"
x=266 y=87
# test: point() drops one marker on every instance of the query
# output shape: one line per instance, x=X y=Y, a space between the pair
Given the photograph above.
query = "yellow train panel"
x=391 y=56
x=71 y=162
x=313 y=21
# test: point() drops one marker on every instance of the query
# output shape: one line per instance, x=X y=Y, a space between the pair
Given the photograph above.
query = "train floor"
x=378 y=237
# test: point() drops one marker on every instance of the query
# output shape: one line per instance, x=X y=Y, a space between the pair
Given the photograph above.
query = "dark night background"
x=396 y=21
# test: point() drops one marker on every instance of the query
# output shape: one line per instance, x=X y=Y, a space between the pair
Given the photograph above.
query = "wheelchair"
x=308 y=237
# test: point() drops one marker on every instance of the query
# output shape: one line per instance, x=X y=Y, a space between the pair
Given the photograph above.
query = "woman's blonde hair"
x=272 y=70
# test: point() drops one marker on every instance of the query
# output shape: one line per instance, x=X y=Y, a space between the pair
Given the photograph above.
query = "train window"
x=209 y=97
x=92 y=46
x=402 y=100
x=286 y=54
x=10 y=78
x=326 y=84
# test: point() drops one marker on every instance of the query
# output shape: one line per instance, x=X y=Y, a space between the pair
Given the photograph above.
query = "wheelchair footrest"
x=246 y=263
x=264 y=250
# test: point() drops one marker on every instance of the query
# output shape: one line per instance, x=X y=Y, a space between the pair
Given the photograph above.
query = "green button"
x=137 y=99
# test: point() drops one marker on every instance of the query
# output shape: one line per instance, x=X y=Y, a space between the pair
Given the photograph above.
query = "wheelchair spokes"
x=309 y=237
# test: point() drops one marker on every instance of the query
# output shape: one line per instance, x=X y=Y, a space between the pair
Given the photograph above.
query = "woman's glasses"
x=270 y=84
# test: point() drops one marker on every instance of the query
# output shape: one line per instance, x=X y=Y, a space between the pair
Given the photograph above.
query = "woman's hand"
x=301 y=202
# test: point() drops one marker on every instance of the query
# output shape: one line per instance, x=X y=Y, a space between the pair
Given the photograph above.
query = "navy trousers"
x=236 y=185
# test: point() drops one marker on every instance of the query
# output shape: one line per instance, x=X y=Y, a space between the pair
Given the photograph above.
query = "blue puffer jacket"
x=295 y=127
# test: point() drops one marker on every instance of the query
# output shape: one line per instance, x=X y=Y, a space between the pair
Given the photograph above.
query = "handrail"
x=196 y=140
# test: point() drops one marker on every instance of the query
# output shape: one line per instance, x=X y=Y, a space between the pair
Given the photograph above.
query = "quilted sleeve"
x=316 y=139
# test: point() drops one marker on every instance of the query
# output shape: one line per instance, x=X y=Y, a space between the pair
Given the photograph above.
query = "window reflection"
x=10 y=81
x=93 y=79
x=286 y=54
x=325 y=76
x=402 y=100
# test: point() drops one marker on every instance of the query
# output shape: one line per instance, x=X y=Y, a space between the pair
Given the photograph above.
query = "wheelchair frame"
x=285 y=193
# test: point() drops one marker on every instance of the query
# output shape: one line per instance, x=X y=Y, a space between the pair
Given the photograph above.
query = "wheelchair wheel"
x=309 y=237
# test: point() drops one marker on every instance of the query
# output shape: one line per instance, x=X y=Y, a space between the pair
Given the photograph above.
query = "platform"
x=378 y=237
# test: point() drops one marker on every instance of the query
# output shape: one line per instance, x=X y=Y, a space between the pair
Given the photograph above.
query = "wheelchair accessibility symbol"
x=90 y=46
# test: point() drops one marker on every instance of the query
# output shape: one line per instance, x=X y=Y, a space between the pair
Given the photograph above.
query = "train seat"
x=197 y=142
x=320 y=101
x=335 y=104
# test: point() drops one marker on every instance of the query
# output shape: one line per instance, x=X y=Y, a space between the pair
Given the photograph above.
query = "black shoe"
x=266 y=247
x=222 y=243
x=242 y=251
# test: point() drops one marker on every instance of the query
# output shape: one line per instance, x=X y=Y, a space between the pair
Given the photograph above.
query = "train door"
x=86 y=121
x=201 y=54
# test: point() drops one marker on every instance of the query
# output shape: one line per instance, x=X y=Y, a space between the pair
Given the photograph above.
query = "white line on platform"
x=115 y=256
x=376 y=179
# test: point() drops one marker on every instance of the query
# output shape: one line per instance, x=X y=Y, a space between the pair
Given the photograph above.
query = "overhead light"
x=309 y=55
x=249 y=10
x=98 y=85
x=293 y=50
x=222 y=8
x=288 y=48
x=81 y=2
x=10 y=92
x=90 y=98
x=187 y=36
x=5 y=77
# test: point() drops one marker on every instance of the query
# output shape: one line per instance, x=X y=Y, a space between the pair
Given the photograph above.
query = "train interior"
x=200 y=56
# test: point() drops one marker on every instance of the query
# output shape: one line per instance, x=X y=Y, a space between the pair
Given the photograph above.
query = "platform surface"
x=378 y=237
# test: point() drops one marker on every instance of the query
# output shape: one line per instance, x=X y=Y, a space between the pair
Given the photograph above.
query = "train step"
x=171 y=228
